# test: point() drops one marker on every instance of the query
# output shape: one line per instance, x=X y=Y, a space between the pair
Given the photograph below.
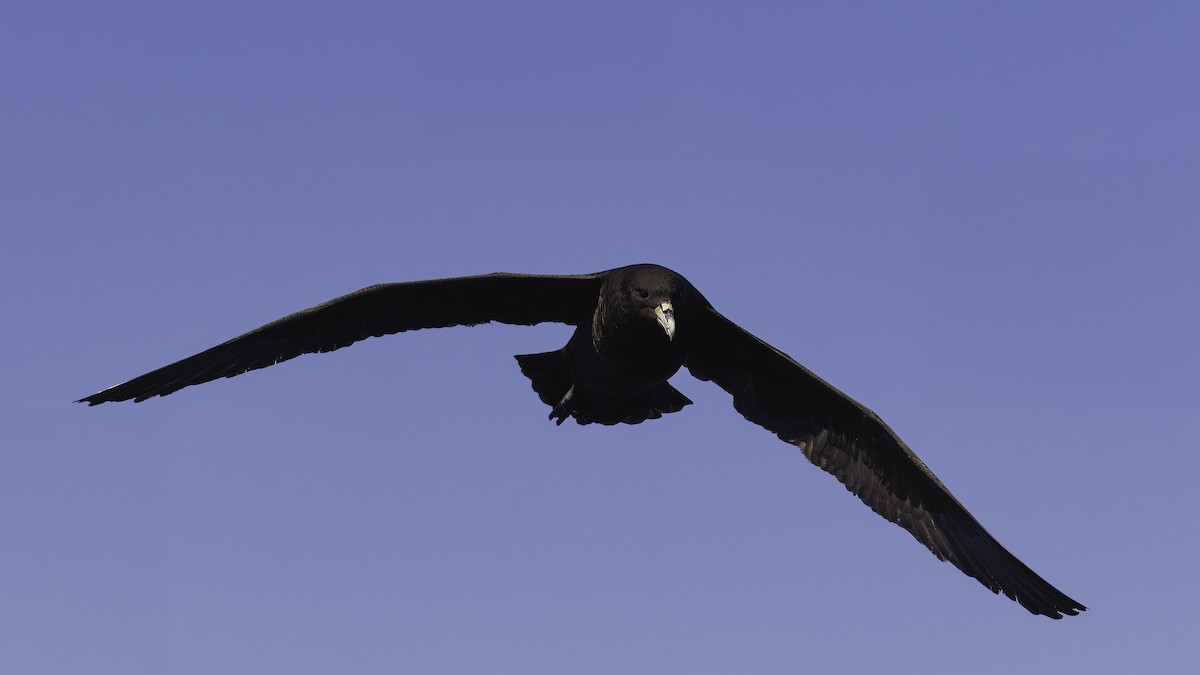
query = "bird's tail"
x=551 y=374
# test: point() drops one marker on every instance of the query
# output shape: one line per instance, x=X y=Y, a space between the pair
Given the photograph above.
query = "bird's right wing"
x=521 y=299
x=843 y=437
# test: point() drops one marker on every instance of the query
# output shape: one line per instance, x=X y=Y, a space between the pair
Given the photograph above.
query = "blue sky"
x=979 y=219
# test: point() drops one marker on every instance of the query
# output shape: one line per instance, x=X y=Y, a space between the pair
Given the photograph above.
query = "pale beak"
x=666 y=318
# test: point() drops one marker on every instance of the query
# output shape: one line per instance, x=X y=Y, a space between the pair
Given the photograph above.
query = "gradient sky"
x=979 y=219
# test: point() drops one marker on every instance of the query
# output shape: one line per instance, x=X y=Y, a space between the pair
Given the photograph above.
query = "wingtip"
x=1061 y=612
x=1073 y=610
x=1051 y=607
x=104 y=396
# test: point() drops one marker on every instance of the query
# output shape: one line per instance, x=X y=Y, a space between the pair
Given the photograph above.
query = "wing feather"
x=844 y=438
x=521 y=299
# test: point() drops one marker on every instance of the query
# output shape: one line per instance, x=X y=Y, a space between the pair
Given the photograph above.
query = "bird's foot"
x=562 y=411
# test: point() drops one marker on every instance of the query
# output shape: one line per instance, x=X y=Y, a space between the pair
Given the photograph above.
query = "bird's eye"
x=643 y=293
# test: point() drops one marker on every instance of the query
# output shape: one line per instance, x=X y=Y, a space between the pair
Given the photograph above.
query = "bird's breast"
x=627 y=361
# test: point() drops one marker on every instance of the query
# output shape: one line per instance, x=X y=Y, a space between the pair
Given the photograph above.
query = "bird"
x=635 y=327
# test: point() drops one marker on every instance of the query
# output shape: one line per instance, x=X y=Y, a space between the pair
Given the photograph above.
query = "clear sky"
x=979 y=219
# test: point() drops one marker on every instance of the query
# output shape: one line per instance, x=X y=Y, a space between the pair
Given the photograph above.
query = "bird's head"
x=655 y=294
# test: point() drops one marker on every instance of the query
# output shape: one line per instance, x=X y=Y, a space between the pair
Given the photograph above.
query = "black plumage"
x=635 y=327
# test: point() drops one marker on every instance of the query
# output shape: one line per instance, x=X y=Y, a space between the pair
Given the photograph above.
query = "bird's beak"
x=666 y=318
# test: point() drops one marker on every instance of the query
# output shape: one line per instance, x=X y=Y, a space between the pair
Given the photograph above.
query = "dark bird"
x=635 y=327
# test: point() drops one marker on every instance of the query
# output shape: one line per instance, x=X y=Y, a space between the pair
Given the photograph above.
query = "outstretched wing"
x=843 y=437
x=377 y=310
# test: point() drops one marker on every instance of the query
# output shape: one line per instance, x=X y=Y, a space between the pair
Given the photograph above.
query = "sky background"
x=979 y=219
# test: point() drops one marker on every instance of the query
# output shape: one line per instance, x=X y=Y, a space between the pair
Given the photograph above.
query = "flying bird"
x=635 y=327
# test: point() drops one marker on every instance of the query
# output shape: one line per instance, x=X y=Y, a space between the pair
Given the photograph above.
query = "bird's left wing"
x=371 y=312
x=844 y=438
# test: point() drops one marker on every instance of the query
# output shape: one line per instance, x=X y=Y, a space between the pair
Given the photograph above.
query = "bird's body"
x=637 y=326
x=615 y=367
